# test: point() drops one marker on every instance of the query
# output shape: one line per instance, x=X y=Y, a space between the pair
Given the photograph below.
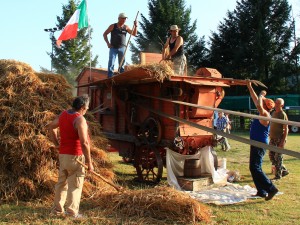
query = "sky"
x=23 y=22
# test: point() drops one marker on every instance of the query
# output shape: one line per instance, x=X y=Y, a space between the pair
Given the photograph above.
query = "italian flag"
x=78 y=20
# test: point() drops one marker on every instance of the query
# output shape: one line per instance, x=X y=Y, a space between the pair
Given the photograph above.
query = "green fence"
x=241 y=103
x=246 y=105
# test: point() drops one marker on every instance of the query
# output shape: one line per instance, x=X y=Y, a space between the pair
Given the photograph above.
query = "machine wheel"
x=149 y=164
x=294 y=129
x=150 y=132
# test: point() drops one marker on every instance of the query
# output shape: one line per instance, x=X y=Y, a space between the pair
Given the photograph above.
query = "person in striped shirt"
x=222 y=123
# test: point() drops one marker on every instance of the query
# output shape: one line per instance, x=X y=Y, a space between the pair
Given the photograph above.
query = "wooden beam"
x=230 y=136
x=287 y=122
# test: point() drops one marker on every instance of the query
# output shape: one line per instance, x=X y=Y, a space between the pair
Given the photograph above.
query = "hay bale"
x=28 y=159
x=29 y=101
x=163 y=204
x=159 y=71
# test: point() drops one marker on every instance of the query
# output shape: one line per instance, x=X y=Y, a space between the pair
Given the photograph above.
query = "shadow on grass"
x=131 y=181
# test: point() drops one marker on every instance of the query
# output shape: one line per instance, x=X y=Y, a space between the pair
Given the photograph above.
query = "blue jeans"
x=113 y=52
x=263 y=184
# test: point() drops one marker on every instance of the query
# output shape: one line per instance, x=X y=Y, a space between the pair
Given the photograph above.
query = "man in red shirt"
x=73 y=144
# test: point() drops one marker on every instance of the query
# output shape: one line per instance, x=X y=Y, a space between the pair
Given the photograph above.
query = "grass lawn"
x=283 y=209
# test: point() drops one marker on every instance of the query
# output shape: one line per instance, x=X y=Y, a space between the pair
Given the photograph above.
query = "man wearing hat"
x=174 y=45
x=117 y=43
x=259 y=131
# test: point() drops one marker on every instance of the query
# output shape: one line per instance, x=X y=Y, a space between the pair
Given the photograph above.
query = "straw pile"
x=162 y=205
x=28 y=159
x=159 y=71
x=28 y=101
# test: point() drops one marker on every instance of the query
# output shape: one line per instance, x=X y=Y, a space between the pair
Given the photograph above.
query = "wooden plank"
x=215 y=80
x=120 y=137
x=194 y=184
x=230 y=136
x=140 y=75
x=207 y=83
x=287 y=122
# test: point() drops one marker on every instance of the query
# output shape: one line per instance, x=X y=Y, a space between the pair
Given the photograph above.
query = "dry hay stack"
x=28 y=101
x=161 y=205
x=160 y=71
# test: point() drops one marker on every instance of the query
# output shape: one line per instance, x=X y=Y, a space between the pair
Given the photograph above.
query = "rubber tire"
x=294 y=129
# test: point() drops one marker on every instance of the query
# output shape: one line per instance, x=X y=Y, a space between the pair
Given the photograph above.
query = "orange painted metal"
x=122 y=113
x=208 y=72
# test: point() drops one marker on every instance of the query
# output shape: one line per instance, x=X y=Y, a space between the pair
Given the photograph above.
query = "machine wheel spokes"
x=150 y=131
x=149 y=164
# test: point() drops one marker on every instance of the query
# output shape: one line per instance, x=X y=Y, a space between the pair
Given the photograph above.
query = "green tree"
x=254 y=42
x=44 y=70
x=295 y=63
x=155 y=30
x=74 y=54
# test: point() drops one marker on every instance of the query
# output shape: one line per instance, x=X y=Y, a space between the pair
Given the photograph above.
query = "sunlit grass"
x=283 y=209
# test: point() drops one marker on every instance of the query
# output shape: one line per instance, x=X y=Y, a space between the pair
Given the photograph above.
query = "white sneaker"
x=78 y=216
x=228 y=148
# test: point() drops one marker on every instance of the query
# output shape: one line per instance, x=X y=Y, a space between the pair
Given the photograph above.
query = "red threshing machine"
x=141 y=115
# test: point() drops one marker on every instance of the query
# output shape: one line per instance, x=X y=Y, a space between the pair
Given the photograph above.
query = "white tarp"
x=221 y=192
x=224 y=195
x=175 y=166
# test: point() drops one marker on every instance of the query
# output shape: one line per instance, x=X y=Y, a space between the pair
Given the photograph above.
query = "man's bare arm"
x=134 y=31
x=166 y=50
x=108 y=30
x=284 y=135
x=82 y=129
x=52 y=129
x=252 y=92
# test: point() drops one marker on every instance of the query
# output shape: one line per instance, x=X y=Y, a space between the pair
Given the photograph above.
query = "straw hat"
x=122 y=15
x=174 y=27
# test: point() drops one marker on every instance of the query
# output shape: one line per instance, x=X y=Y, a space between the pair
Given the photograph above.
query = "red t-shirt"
x=69 y=139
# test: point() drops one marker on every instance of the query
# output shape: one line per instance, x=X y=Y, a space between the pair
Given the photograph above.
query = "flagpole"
x=89 y=30
x=120 y=65
x=90 y=53
x=89 y=33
